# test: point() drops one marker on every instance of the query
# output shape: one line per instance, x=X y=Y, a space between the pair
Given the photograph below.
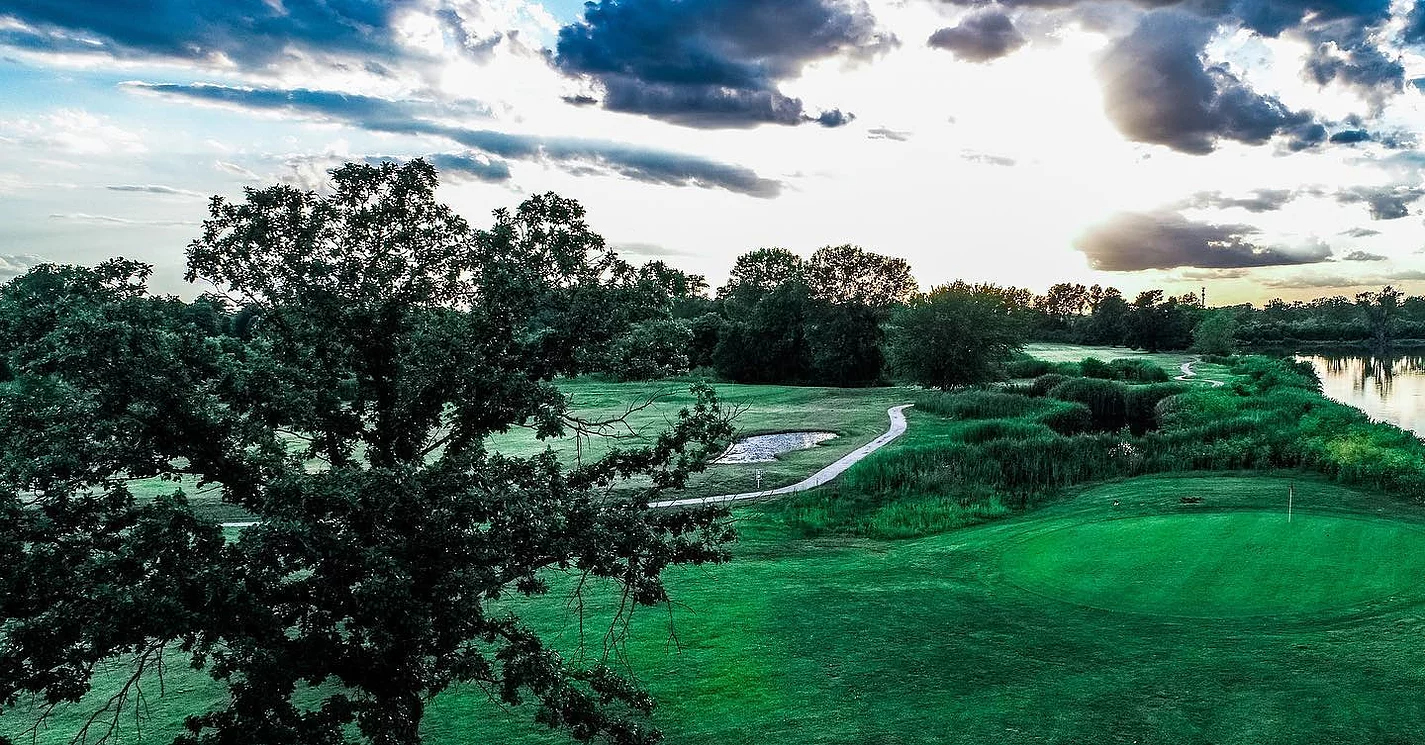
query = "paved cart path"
x=1189 y=374
x=897 y=415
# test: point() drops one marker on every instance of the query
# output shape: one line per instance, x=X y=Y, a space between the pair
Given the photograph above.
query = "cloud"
x=72 y=131
x=1384 y=202
x=576 y=154
x=1159 y=89
x=1260 y=200
x=154 y=189
x=648 y=249
x=456 y=167
x=111 y=220
x=987 y=158
x=1350 y=137
x=1134 y=241
x=1207 y=275
x=983 y=36
x=713 y=63
x=1311 y=281
x=250 y=33
x=236 y=170
x=1362 y=256
x=1360 y=232
x=885 y=133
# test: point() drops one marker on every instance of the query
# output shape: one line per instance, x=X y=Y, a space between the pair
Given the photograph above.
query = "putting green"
x=1221 y=564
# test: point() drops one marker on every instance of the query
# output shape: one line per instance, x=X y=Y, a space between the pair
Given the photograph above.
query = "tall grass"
x=1022 y=448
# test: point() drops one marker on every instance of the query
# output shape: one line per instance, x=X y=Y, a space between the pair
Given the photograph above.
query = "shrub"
x=1138 y=371
x=1092 y=367
x=1140 y=404
x=1027 y=367
x=1104 y=398
x=1045 y=383
x=1068 y=418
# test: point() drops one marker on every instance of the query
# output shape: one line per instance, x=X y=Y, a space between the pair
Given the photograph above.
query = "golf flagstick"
x=1290 y=494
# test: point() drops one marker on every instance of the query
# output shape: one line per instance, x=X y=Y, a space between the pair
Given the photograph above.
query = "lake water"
x=1388 y=389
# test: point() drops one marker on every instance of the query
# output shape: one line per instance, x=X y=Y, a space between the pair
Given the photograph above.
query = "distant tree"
x=650 y=350
x=851 y=275
x=756 y=273
x=1108 y=322
x=1381 y=311
x=766 y=342
x=955 y=335
x=1216 y=333
x=388 y=343
x=844 y=344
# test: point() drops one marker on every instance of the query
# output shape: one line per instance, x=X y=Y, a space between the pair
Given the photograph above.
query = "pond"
x=766 y=448
x=1389 y=389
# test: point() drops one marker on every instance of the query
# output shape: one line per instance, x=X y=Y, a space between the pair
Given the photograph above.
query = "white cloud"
x=73 y=131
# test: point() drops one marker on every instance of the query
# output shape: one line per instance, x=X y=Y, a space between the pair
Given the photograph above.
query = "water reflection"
x=1388 y=388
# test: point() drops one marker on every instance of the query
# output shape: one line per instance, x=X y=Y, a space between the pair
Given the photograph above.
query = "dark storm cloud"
x=396 y=117
x=1384 y=202
x=1351 y=136
x=1362 y=256
x=713 y=63
x=1167 y=240
x=983 y=36
x=459 y=166
x=1158 y=89
x=1261 y=200
x=252 y=33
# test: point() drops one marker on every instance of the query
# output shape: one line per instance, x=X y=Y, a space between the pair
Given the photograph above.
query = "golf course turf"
x=1220 y=564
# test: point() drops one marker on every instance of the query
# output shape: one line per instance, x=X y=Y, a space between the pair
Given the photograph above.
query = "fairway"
x=1220 y=565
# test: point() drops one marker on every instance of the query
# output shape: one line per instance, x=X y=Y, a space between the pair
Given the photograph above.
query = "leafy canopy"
x=384 y=341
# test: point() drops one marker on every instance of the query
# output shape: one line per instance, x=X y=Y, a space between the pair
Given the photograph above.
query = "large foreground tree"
x=385 y=341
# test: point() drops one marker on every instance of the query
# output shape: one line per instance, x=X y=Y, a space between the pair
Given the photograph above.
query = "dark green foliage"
x=1024 y=366
x=1041 y=385
x=1068 y=418
x=1092 y=367
x=845 y=343
x=1002 y=429
x=649 y=350
x=1140 y=404
x=981 y=405
x=349 y=414
x=1104 y=398
x=955 y=335
x=1137 y=371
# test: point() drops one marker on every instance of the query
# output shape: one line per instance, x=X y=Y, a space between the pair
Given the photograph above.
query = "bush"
x=1140 y=404
x=1138 y=371
x=1104 y=398
x=1027 y=367
x=1068 y=418
x=1045 y=383
x=1092 y=367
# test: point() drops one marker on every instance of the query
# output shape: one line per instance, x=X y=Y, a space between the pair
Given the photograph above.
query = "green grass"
x=1220 y=564
x=1054 y=352
x=848 y=641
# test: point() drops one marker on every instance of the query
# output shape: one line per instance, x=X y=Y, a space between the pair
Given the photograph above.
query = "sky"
x=1258 y=148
